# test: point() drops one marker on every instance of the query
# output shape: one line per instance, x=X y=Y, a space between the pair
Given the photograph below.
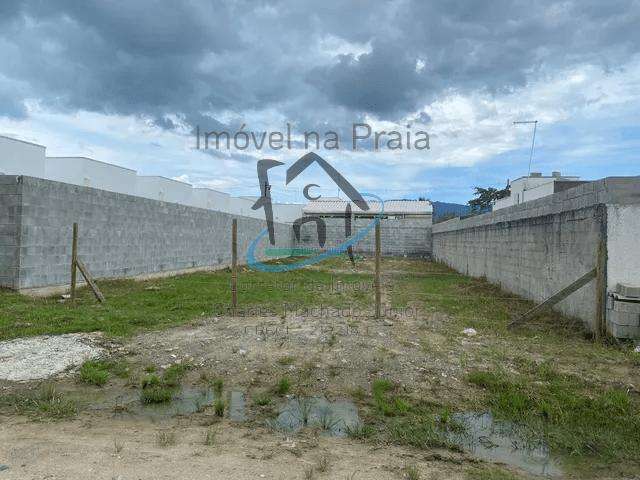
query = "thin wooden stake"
x=74 y=261
x=94 y=288
x=377 y=278
x=601 y=291
x=234 y=266
x=551 y=301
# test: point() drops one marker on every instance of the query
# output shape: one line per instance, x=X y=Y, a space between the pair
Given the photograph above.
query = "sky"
x=128 y=82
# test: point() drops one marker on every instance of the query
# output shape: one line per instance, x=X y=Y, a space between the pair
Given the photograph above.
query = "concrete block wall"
x=120 y=235
x=537 y=248
x=10 y=210
x=401 y=236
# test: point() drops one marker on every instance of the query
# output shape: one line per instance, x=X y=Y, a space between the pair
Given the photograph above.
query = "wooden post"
x=601 y=291
x=551 y=301
x=234 y=266
x=87 y=276
x=74 y=261
x=377 y=278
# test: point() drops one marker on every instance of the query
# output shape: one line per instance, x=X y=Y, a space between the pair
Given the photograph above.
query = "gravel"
x=36 y=358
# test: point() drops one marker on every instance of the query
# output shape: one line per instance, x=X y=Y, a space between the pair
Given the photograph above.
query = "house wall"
x=405 y=236
x=91 y=173
x=120 y=235
x=21 y=158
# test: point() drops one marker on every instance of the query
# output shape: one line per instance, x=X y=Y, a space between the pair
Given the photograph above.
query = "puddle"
x=186 y=401
x=236 y=407
x=334 y=418
x=501 y=441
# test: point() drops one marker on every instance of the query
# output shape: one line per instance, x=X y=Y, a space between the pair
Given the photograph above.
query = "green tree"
x=486 y=196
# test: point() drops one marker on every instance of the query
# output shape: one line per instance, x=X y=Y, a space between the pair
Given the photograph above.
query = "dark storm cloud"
x=194 y=59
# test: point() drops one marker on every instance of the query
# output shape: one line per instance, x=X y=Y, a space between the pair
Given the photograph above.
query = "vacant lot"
x=186 y=390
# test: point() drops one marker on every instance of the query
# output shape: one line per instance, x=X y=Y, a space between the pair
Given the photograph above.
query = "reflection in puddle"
x=500 y=441
x=236 y=407
x=186 y=401
x=334 y=418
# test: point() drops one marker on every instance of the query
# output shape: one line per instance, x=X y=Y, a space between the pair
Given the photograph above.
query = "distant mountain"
x=442 y=210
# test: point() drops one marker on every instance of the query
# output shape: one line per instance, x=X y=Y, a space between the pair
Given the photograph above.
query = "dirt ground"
x=424 y=351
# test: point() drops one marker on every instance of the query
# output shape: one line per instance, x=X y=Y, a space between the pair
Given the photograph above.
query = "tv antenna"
x=533 y=140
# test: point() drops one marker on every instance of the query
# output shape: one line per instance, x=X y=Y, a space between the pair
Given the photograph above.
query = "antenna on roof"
x=533 y=141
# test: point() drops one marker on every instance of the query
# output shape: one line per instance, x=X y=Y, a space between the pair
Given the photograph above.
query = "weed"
x=287 y=360
x=150 y=369
x=489 y=473
x=262 y=399
x=323 y=464
x=94 y=372
x=419 y=432
x=210 y=438
x=309 y=473
x=165 y=438
x=174 y=374
x=358 y=394
x=118 y=446
x=218 y=386
x=284 y=386
x=359 y=431
x=156 y=394
x=219 y=407
x=411 y=472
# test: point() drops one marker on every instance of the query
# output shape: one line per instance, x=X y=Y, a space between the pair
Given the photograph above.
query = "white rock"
x=469 y=332
x=637 y=349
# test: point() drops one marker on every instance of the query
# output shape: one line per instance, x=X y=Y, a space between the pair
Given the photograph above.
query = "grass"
x=403 y=421
x=219 y=407
x=157 y=389
x=589 y=426
x=218 y=386
x=210 y=438
x=94 y=372
x=411 y=472
x=165 y=438
x=489 y=473
x=262 y=399
x=46 y=403
x=283 y=386
x=134 y=306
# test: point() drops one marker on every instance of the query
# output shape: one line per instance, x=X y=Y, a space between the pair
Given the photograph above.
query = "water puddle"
x=502 y=441
x=334 y=418
x=186 y=401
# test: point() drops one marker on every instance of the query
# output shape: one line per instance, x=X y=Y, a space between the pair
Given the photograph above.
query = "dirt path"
x=86 y=448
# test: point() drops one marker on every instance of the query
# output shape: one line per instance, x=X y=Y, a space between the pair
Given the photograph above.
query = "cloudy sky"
x=128 y=81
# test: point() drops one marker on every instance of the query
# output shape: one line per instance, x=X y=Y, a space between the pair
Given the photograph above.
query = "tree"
x=486 y=196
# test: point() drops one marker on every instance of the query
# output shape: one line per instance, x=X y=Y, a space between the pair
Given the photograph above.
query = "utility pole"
x=533 y=142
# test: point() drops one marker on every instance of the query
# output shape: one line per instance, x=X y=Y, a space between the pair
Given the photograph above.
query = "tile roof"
x=393 y=207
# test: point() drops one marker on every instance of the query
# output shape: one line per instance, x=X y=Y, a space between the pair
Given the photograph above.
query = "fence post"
x=74 y=261
x=234 y=266
x=377 y=275
x=601 y=290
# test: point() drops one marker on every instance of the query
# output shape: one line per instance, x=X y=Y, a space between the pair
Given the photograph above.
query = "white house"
x=18 y=157
x=535 y=186
x=91 y=173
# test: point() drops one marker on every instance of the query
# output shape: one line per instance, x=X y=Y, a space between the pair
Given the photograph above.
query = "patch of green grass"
x=586 y=424
x=46 y=403
x=172 y=375
x=359 y=431
x=132 y=306
x=262 y=399
x=162 y=390
x=489 y=473
x=411 y=472
x=94 y=372
x=219 y=407
x=283 y=386
x=218 y=386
